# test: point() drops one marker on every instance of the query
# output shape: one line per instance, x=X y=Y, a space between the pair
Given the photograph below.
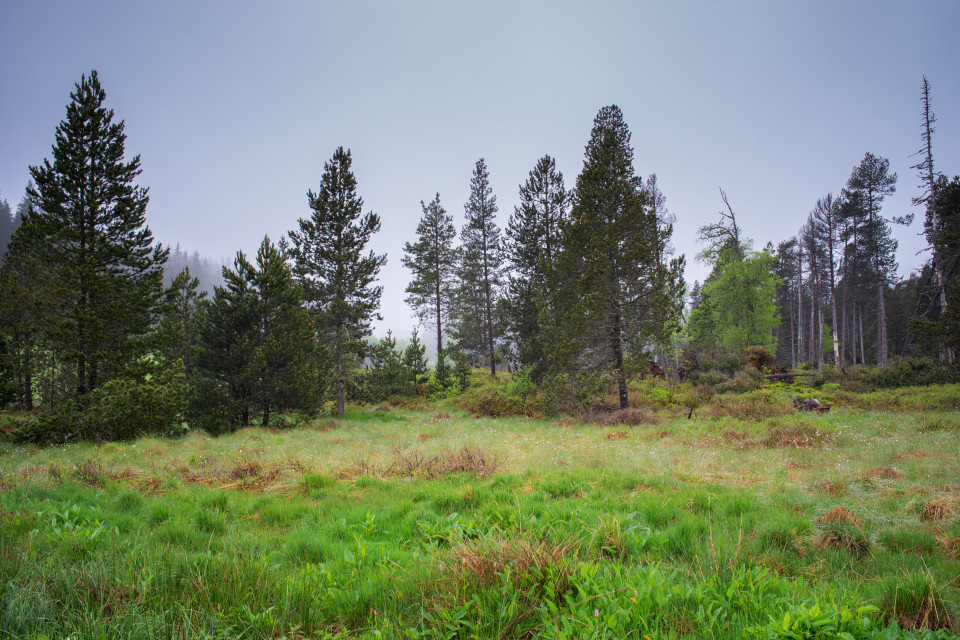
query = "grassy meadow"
x=425 y=521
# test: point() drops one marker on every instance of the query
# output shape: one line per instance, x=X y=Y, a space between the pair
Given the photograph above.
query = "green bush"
x=149 y=401
x=487 y=396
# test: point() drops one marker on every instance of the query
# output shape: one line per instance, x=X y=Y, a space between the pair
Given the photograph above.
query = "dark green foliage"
x=101 y=270
x=415 y=358
x=256 y=344
x=147 y=400
x=180 y=312
x=336 y=274
x=432 y=261
x=7 y=226
x=389 y=376
x=613 y=291
x=533 y=240
x=480 y=274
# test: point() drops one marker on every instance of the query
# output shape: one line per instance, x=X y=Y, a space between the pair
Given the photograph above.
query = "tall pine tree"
x=106 y=273
x=432 y=260
x=335 y=270
x=480 y=272
x=533 y=240
x=621 y=294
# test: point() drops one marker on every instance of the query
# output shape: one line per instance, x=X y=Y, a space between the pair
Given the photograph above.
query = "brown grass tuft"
x=415 y=463
x=885 y=473
x=838 y=514
x=833 y=488
x=90 y=473
x=799 y=435
x=842 y=537
x=616 y=435
x=937 y=510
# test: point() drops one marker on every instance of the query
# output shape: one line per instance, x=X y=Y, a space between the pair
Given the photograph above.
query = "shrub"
x=492 y=397
x=742 y=382
x=151 y=401
x=760 y=358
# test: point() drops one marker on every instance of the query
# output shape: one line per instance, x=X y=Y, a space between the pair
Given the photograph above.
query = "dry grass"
x=798 y=435
x=630 y=416
x=884 y=473
x=838 y=514
x=844 y=537
x=754 y=406
x=414 y=463
x=937 y=510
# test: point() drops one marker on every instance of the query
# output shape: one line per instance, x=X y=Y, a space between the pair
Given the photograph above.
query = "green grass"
x=702 y=528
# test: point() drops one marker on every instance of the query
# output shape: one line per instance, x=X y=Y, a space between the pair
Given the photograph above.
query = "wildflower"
x=596 y=613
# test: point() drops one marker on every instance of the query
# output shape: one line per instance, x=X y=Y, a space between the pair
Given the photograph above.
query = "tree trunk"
x=800 y=302
x=863 y=357
x=618 y=359
x=882 y=322
x=340 y=374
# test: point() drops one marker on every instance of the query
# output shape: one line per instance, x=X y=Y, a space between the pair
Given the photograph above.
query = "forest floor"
x=427 y=522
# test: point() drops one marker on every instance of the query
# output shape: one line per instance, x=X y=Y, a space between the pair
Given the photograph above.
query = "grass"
x=429 y=522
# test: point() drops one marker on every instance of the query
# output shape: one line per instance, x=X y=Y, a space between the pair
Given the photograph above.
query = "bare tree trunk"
x=863 y=357
x=800 y=300
x=340 y=373
x=882 y=328
x=618 y=359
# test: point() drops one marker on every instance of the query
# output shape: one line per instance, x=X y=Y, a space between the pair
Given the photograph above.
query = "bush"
x=149 y=401
x=742 y=382
x=487 y=396
x=752 y=406
x=760 y=358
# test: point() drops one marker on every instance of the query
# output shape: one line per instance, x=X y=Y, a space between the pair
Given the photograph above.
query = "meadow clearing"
x=426 y=521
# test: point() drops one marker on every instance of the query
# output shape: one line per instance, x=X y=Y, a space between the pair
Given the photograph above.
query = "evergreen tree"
x=177 y=332
x=620 y=294
x=825 y=220
x=389 y=375
x=256 y=342
x=415 y=357
x=104 y=270
x=533 y=239
x=872 y=181
x=228 y=338
x=480 y=272
x=336 y=275
x=432 y=260
x=7 y=226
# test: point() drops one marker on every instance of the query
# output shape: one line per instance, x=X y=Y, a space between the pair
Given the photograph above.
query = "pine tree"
x=621 y=294
x=105 y=271
x=432 y=260
x=177 y=332
x=480 y=272
x=872 y=181
x=533 y=239
x=825 y=220
x=7 y=226
x=336 y=275
x=415 y=357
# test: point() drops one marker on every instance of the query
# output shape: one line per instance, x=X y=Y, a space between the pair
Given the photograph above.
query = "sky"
x=235 y=106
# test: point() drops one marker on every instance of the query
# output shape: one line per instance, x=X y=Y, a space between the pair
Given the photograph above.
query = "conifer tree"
x=621 y=292
x=7 y=226
x=432 y=261
x=180 y=310
x=872 y=181
x=415 y=357
x=105 y=271
x=335 y=272
x=480 y=272
x=533 y=239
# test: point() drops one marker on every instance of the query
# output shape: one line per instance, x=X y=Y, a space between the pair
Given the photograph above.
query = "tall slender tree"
x=432 y=260
x=335 y=273
x=480 y=272
x=106 y=272
x=825 y=220
x=929 y=199
x=873 y=182
x=533 y=237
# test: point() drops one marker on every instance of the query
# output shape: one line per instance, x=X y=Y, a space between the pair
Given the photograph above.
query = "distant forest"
x=107 y=334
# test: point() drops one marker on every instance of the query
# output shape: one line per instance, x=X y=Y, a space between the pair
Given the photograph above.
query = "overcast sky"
x=235 y=106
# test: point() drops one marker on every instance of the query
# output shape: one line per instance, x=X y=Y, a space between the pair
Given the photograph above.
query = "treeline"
x=580 y=293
